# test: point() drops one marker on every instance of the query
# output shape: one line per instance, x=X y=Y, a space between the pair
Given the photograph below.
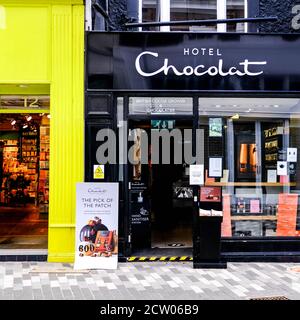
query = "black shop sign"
x=193 y=61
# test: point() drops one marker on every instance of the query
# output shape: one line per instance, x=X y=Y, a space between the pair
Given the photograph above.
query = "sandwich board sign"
x=96 y=225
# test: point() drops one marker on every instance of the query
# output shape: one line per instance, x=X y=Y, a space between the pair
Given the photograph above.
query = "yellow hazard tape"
x=153 y=258
x=183 y=258
x=163 y=258
x=143 y=258
x=131 y=258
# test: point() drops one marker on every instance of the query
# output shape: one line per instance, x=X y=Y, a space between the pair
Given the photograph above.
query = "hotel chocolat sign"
x=193 y=61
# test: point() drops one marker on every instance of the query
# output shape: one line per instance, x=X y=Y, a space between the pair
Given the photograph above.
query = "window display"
x=44 y=166
x=24 y=159
x=259 y=197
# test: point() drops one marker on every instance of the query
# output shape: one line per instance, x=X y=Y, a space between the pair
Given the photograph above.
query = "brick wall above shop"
x=288 y=21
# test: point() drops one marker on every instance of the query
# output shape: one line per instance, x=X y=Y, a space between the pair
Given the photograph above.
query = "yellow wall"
x=42 y=42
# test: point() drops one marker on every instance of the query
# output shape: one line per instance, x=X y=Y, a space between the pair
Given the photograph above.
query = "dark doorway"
x=164 y=192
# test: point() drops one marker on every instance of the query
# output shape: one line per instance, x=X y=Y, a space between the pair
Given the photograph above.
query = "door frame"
x=193 y=117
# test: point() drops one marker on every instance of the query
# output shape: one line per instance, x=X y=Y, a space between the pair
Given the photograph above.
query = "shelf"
x=257 y=217
x=250 y=184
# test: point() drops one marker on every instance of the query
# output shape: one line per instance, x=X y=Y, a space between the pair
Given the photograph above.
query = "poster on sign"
x=96 y=226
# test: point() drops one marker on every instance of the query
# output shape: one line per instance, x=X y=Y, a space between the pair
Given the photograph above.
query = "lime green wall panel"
x=66 y=129
x=25 y=44
x=44 y=45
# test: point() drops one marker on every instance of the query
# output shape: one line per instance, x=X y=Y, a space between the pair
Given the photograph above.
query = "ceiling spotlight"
x=276 y=106
x=28 y=118
x=235 y=117
x=25 y=126
x=13 y=122
x=48 y=116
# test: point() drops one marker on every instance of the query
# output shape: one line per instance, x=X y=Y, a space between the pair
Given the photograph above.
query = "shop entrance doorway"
x=24 y=180
x=161 y=199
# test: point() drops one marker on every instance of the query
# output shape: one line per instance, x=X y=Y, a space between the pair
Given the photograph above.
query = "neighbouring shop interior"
x=24 y=179
x=249 y=152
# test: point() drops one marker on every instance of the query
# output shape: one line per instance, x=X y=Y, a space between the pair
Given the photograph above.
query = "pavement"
x=148 y=281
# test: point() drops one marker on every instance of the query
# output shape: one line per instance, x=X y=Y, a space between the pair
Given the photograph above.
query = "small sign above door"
x=162 y=124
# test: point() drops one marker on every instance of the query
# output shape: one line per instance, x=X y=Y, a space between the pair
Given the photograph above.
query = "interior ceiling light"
x=25 y=126
x=235 y=117
x=276 y=106
x=28 y=118
x=48 y=116
x=13 y=122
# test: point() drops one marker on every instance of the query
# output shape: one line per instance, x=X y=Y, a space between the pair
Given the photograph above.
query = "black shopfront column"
x=100 y=113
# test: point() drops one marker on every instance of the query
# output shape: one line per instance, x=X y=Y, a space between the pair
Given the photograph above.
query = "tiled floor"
x=154 y=280
x=23 y=228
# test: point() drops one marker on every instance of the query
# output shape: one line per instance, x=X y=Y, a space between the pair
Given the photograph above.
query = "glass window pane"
x=193 y=10
x=257 y=141
x=150 y=13
x=235 y=9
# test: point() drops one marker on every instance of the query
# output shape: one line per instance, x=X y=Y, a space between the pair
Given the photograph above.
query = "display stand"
x=207 y=231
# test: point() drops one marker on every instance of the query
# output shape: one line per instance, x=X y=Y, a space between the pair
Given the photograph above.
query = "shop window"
x=254 y=143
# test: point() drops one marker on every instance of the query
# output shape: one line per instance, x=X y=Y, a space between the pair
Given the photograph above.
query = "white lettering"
x=138 y=66
x=200 y=69
x=246 y=65
x=195 y=51
x=186 y=51
x=296 y=18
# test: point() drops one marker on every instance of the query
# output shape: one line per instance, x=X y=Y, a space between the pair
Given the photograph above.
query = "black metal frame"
x=201 y=22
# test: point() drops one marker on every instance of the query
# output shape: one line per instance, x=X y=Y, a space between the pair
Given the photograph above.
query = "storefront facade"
x=43 y=55
x=239 y=96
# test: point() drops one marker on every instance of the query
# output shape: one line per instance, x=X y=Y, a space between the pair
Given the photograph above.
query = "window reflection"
x=235 y=9
x=193 y=10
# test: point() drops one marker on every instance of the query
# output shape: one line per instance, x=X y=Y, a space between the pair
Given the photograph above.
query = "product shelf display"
x=29 y=157
x=259 y=175
x=44 y=168
x=24 y=162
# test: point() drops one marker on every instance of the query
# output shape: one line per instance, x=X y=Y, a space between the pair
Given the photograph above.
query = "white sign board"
x=96 y=226
x=196 y=174
x=292 y=154
x=215 y=167
x=272 y=176
x=282 y=168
